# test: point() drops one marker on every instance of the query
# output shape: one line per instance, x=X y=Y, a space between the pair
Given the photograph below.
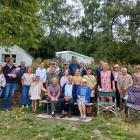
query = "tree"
x=19 y=23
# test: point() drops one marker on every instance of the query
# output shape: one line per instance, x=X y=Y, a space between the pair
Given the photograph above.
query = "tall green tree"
x=19 y=23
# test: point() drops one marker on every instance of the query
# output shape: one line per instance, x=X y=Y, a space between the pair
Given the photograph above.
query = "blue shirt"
x=68 y=90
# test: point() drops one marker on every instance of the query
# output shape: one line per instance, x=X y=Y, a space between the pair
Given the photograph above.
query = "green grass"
x=19 y=125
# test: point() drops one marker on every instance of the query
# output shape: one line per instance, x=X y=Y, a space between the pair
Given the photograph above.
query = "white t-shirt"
x=28 y=78
x=42 y=73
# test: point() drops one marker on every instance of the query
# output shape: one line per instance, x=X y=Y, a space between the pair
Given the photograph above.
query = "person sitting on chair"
x=68 y=96
x=54 y=93
x=83 y=94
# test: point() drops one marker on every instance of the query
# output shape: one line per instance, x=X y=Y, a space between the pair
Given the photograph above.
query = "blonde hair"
x=137 y=67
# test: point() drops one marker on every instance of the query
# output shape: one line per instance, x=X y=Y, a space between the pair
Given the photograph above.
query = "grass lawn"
x=24 y=125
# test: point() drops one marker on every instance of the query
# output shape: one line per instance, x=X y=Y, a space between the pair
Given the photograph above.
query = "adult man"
x=11 y=74
x=68 y=97
x=51 y=73
x=99 y=69
x=73 y=66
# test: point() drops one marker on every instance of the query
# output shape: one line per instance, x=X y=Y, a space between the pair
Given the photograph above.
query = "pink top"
x=106 y=81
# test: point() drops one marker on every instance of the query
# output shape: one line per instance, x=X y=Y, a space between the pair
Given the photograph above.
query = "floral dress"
x=106 y=81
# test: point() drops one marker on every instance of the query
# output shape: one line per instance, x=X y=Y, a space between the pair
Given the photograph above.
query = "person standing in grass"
x=91 y=81
x=26 y=80
x=42 y=73
x=116 y=72
x=73 y=66
x=2 y=81
x=82 y=69
x=51 y=73
x=123 y=82
x=10 y=72
x=136 y=76
x=54 y=94
x=83 y=94
x=106 y=81
x=35 y=92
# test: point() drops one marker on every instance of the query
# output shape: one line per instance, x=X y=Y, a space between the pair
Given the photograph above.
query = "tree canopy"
x=103 y=29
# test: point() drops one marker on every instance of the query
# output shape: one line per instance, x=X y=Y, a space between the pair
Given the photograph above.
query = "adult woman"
x=106 y=81
x=64 y=79
x=26 y=81
x=136 y=76
x=116 y=72
x=124 y=81
x=2 y=81
x=77 y=77
x=83 y=94
x=54 y=94
x=91 y=81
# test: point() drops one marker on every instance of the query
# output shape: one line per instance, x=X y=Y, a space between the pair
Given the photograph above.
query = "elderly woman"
x=106 y=81
x=54 y=94
x=136 y=76
x=83 y=94
x=123 y=82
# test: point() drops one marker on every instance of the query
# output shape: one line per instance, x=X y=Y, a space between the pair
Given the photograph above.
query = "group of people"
x=64 y=84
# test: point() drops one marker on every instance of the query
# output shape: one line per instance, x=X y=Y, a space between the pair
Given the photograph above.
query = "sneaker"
x=22 y=106
x=84 y=117
x=27 y=106
x=81 y=118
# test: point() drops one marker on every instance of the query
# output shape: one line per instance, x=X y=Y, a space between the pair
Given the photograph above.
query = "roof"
x=78 y=54
x=23 y=51
x=20 y=49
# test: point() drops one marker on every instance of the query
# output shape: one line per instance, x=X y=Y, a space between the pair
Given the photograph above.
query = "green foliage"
x=106 y=29
x=19 y=23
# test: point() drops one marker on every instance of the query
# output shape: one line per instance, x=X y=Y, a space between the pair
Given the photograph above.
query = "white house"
x=67 y=56
x=17 y=53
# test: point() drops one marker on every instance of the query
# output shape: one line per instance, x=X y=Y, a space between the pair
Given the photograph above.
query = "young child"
x=14 y=72
x=35 y=92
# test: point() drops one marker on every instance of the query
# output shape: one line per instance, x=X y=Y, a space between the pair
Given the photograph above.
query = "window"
x=5 y=56
x=14 y=56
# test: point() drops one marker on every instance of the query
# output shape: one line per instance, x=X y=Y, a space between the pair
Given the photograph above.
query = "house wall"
x=68 y=56
x=20 y=55
x=27 y=59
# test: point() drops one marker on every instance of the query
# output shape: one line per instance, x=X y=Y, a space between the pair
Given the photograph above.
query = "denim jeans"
x=9 y=93
x=25 y=98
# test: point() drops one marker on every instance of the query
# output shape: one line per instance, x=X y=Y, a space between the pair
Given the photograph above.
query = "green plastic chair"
x=105 y=105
